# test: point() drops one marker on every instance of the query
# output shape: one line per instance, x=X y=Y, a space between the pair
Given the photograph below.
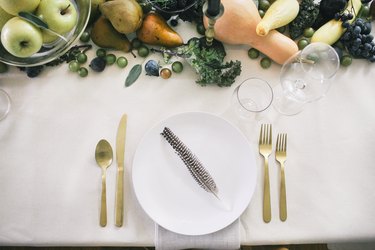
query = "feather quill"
x=195 y=167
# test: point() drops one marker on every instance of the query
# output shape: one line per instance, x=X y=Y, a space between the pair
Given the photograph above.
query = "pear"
x=105 y=36
x=125 y=15
x=95 y=13
x=156 y=31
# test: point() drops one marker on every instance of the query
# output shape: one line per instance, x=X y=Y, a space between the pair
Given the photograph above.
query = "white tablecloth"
x=50 y=183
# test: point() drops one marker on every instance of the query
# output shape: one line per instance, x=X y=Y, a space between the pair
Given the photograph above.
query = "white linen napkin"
x=225 y=239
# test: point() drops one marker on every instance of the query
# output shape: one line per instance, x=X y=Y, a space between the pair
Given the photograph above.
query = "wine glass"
x=252 y=96
x=305 y=77
x=4 y=104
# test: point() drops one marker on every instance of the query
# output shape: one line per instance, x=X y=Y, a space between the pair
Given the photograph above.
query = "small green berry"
x=308 y=32
x=81 y=58
x=85 y=37
x=110 y=59
x=346 y=60
x=143 y=51
x=253 y=53
x=264 y=5
x=101 y=53
x=177 y=67
x=302 y=43
x=261 y=13
x=122 y=62
x=83 y=72
x=265 y=63
x=3 y=67
x=74 y=66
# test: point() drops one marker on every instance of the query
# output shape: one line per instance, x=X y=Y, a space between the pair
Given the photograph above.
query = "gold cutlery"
x=265 y=149
x=103 y=156
x=120 y=155
x=281 y=158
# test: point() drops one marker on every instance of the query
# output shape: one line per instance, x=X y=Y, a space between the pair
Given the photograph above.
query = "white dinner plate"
x=169 y=194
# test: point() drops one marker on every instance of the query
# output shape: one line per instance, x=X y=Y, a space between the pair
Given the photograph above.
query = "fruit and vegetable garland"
x=273 y=29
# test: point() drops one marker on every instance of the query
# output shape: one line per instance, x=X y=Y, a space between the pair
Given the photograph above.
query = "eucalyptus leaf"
x=33 y=19
x=133 y=75
x=38 y=22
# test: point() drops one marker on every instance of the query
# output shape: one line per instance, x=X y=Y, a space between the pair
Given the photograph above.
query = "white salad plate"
x=169 y=194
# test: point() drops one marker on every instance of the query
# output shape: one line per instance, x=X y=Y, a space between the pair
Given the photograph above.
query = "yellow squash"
x=280 y=13
x=331 y=31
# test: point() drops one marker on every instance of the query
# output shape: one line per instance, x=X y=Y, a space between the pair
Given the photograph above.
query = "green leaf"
x=133 y=75
x=33 y=19
x=38 y=22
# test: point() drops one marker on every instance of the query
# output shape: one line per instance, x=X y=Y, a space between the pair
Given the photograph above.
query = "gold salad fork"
x=281 y=158
x=265 y=149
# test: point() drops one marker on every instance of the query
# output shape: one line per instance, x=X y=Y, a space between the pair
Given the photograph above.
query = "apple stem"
x=64 y=10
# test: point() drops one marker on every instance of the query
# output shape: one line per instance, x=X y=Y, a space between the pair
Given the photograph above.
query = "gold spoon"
x=103 y=156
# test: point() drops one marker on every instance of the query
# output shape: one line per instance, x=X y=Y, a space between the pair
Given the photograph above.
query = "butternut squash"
x=279 y=14
x=238 y=26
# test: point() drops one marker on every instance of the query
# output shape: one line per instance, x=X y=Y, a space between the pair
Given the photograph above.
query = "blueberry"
x=33 y=71
x=98 y=64
x=152 y=68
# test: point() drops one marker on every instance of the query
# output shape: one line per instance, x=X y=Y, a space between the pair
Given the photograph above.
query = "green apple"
x=15 y=6
x=60 y=15
x=4 y=17
x=21 y=38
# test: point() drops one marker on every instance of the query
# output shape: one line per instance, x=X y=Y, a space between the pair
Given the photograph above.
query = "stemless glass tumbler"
x=252 y=96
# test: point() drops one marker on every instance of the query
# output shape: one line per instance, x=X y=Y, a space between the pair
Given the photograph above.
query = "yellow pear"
x=125 y=15
x=105 y=36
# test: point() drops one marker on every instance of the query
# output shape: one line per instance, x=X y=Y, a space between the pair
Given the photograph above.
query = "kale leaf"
x=208 y=62
x=308 y=12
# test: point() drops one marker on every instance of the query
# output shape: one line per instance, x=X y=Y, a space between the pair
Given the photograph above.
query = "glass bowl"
x=56 y=49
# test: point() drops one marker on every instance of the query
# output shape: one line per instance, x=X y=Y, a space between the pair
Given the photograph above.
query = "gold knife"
x=120 y=155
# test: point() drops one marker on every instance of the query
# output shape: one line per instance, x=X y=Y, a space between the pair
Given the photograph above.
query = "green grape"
x=85 y=37
x=3 y=67
x=143 y=51
x=101 y=53
x=265 y=63
x=264 y=5
x=110 y=59
x=81 y=58
x=83 y=72
x=302 y=43
x=346 y=60
x=177 y=67
x=261 y=13
x=122 y=62
x=74 y=66
x=253 y=53
x=308 y=32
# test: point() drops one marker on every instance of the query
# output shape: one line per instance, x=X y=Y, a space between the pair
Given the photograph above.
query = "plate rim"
x=158 y=123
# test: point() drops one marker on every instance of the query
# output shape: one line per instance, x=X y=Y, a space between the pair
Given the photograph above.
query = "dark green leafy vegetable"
x=208 y=62
x=308 y=12
x=133 y=75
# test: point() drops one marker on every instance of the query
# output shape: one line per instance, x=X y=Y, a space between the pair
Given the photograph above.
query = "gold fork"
x=281 y=158
x=265 y=149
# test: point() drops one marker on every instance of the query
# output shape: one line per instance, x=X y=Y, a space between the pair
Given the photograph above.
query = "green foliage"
x=308 y=13
x=208 y=62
